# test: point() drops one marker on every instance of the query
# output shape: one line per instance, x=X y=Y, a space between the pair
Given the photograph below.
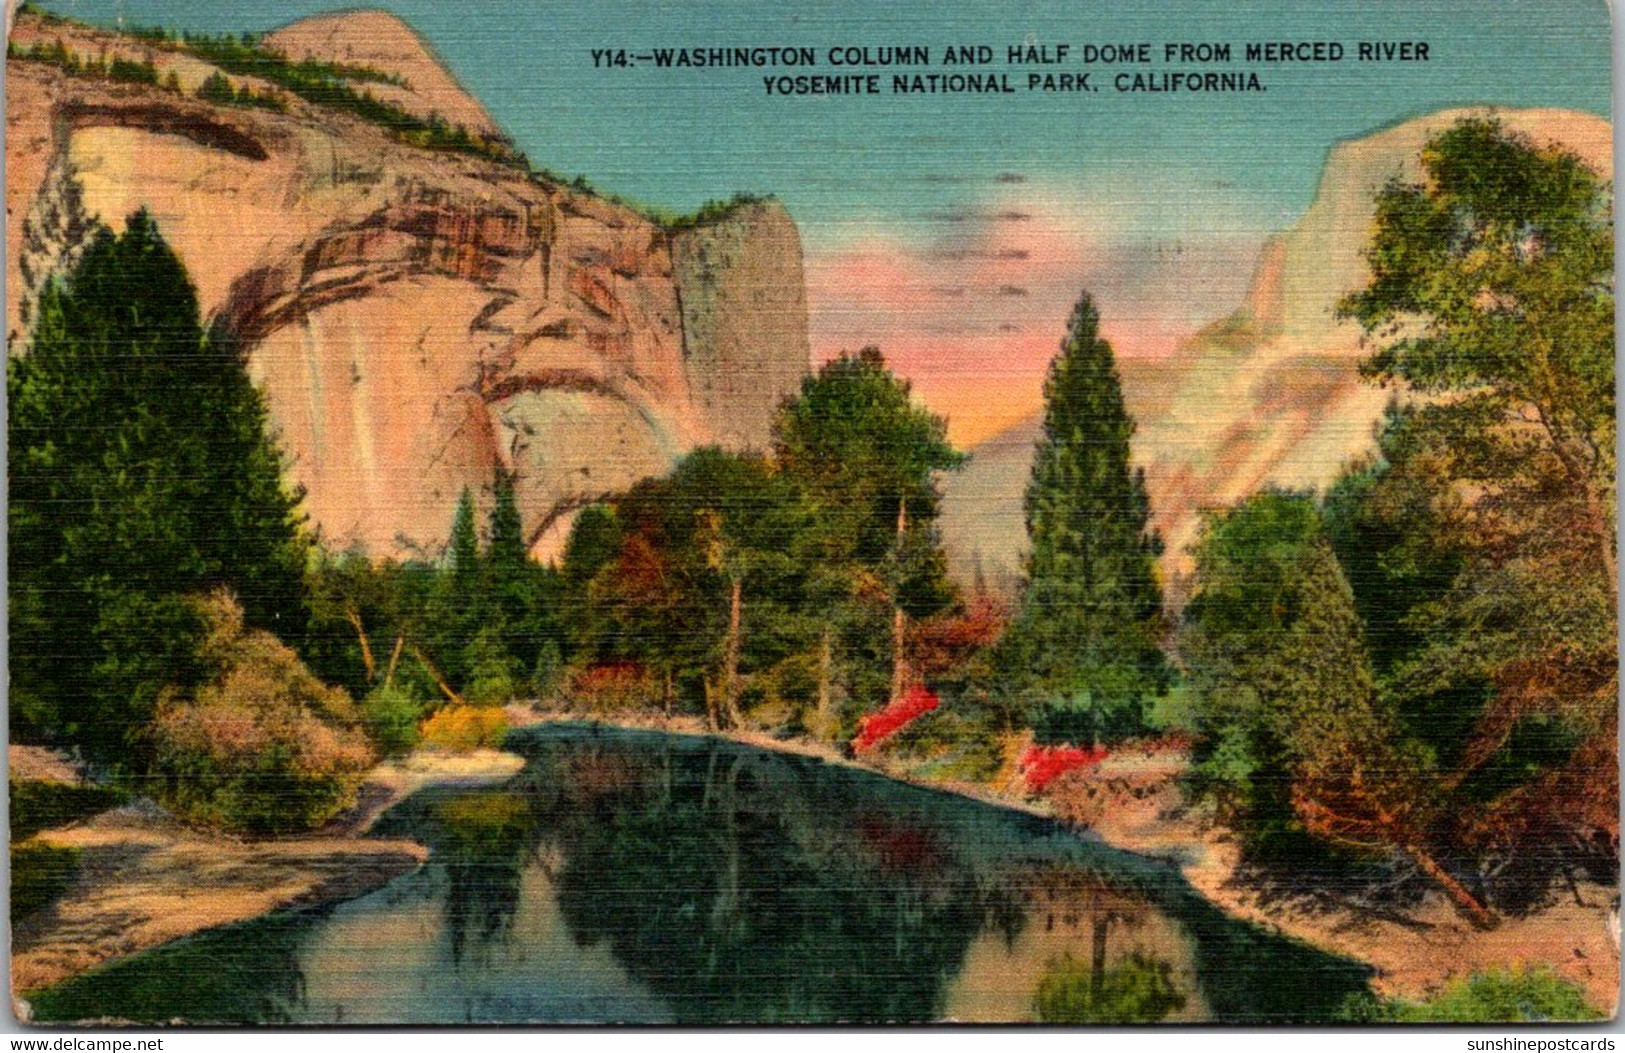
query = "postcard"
x=828 y=513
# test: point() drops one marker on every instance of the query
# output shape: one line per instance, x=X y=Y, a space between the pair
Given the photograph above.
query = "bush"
x=893 y=717
x=1504 y=996
x=612 y=686
x=37 y=806
x=460 y=729
x=39 y=875
x=391 y=712
x=263 y=747
x=958 y=741
x=493 y=673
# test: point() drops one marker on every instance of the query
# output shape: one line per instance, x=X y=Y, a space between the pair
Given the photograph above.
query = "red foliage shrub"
x=611 y=686
x=882 y=724
x=938 y=645
x=1041 y=765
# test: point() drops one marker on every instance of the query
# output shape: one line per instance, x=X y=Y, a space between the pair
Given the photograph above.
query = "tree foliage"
x=261 y=746
x=1492 y=294
x=466 y=627
x=1084 y=645
x=740 y=582
x=1444 y=689
x=1297 y=739
x=140 y=472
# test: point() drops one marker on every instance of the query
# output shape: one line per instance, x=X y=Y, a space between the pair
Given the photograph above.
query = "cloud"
x=972 y=308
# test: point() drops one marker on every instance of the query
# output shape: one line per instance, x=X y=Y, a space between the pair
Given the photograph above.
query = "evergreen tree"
x=505 y=550
x=456 y=609
x=548 y=675
x=520 y=591
x=139 y=473
x=1084 y=645
x=463 y=549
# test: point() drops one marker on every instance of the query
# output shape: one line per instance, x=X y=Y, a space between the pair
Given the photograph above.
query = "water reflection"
x=632 y=877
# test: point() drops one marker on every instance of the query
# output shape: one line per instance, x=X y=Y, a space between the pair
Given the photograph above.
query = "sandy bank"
x=1135 y=804
x=394 y=781
x=145 y=879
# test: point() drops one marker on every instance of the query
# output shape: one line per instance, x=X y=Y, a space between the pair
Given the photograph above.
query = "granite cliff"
x=415 y=317
x=1268 y=395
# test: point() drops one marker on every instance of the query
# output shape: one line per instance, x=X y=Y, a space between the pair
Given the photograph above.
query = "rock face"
x=1270 y=394
x=414 y=318
x=741 y=285
x=378 y=40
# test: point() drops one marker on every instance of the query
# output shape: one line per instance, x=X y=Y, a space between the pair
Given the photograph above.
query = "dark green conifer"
x=1083 y=648
x=140 y=472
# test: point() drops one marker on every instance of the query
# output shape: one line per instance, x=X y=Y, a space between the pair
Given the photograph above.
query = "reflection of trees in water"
x=744 y=886
x=483 y=844
x=1077 y=894
x=726 y=883
x=240 y=974
x=1138 y=990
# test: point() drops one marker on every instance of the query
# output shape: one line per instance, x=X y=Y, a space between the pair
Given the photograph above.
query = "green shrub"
x=493 y=673
x=1505 y=996
x=133 y=72
x=37 y=806
x=958 y=741
x=263 y=747
x=548 y=677
x=391 y=712
x=39 y=875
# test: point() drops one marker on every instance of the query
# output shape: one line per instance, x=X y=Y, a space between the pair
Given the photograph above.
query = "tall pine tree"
x=140 y=473
x=521 y=590
x=463 y=549
x=1083 y=650
x=458 y=606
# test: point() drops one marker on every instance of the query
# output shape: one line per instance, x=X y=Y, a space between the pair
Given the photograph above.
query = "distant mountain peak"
x=1268 y=395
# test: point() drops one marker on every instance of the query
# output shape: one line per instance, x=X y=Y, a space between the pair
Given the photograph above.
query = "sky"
x=956 y=230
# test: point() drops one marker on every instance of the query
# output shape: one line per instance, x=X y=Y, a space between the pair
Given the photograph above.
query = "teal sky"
x=678 y=137
x=955 y=230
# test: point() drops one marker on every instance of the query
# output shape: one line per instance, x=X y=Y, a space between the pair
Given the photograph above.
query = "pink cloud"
x=974 y=315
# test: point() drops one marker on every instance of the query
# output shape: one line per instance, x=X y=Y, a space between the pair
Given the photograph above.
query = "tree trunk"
x=826 y=717
x=1465 y=901
x=394 y=660
x=667 y=694
x=440 y=681
x=711 y=721
x=353 y=616
x=730 y=673
x=899 y=628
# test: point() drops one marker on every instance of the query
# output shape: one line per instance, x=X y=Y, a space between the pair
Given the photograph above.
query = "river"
x=637 y=877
